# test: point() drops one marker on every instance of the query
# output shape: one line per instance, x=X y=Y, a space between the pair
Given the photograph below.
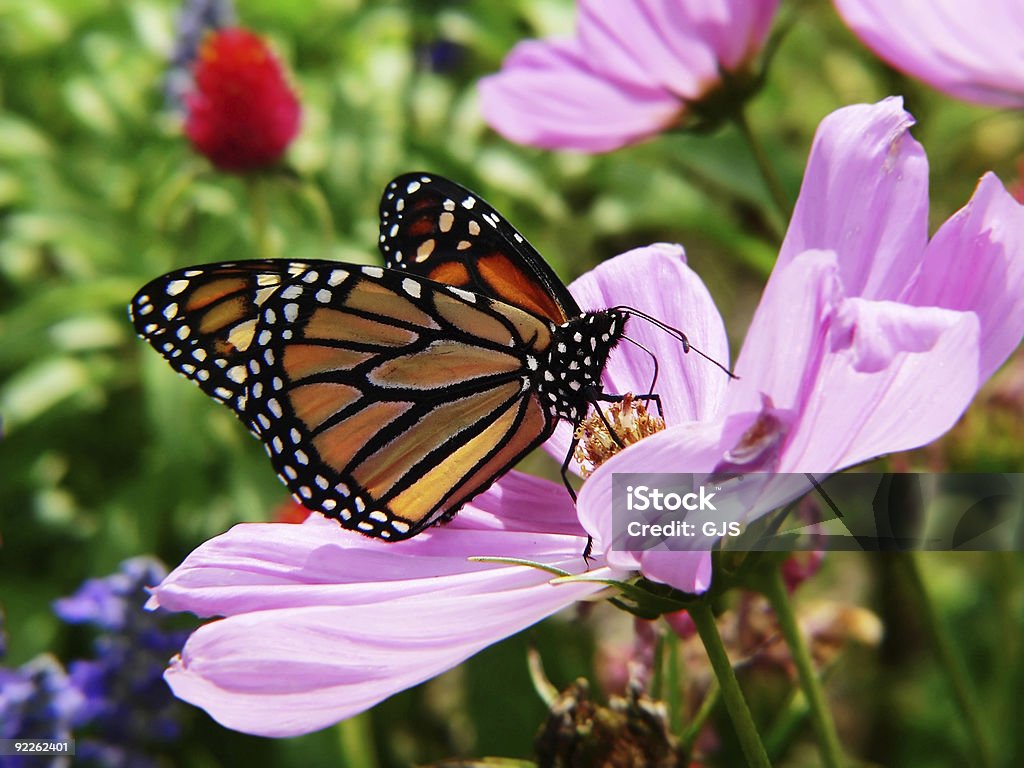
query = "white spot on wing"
x=424 y=250
x=411 y=287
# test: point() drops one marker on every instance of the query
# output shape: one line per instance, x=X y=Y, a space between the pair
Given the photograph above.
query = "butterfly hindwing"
x=436 y=228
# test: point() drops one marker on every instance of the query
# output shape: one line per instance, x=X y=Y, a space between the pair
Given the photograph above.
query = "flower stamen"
x=630 y=422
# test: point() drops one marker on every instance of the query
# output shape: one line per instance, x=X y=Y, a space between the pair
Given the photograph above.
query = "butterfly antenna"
x=654 y=357
x=675 y=333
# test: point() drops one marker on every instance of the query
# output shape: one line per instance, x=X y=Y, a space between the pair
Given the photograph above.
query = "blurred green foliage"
x=107 y=454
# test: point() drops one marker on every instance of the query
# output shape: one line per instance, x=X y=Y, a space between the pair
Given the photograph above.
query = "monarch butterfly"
x=387 y=397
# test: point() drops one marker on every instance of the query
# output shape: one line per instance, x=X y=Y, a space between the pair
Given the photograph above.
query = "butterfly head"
x=579 y=350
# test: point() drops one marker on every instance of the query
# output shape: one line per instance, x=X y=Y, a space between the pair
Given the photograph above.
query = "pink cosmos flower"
x=969 y=52
x=868 y=339
x=633 y=69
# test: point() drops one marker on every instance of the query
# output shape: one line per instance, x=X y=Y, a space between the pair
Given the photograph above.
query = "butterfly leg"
x=589 y=548
x=655 y=398
x=565 y=467
x=650 y=397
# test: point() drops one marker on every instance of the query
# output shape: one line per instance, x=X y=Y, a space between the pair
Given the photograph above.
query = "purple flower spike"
x=971 y=52
x=868 y=339
x=37 y=701
x=633 y=69
x=126 y=709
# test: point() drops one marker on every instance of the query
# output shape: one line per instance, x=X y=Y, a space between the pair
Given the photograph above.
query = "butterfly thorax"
x=571 y=374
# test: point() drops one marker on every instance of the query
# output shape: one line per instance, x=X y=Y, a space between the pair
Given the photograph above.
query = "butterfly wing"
x=433 y=227
x=203 y=321
x=384 y=399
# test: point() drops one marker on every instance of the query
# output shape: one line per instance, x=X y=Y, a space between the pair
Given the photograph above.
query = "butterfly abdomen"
x=571 y=374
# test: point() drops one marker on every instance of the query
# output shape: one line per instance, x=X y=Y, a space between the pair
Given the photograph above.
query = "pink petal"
x=878 y=394
x=656 y=280
x=975 y=262
x=257 y=567
x=681 y=45
x=294 y=670
x=636 y=41
x=784 y=343
x=695 y=447
x=738 y=29
x=686 y=571
x=864 y=196
x=854 y=410
x=970 y=52
x=876 y=332
x=521 y=502
x=547 y=96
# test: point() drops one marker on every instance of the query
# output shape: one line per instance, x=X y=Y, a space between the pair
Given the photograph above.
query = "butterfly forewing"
x=433 y=227
x=203 y=321
x=384 y=399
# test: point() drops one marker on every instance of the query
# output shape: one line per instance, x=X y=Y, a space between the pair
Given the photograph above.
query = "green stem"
x=739 y=713
x=787 y=725
x=771 y=179
x=689 y=737
x=821 y=717
x=355 y=740
x=658 y=684
x=1008 y=580
x=943 y=647
x=258 y=209
x=310 y=192
x=672 y=684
